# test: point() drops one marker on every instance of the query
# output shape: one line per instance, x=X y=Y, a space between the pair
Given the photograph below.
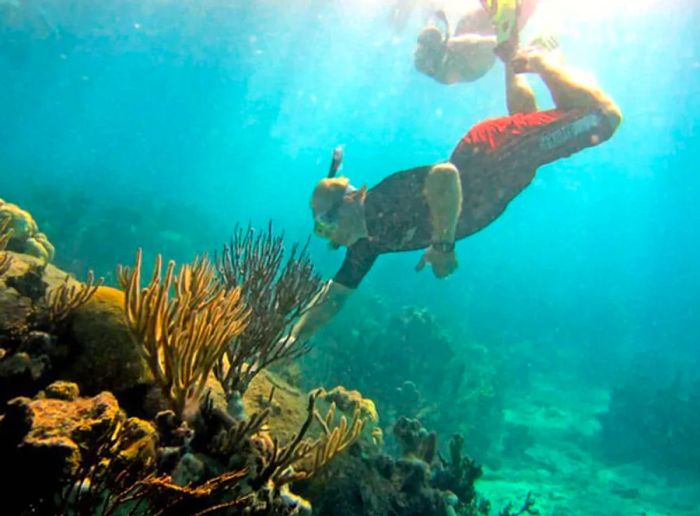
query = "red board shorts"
x=533 y=139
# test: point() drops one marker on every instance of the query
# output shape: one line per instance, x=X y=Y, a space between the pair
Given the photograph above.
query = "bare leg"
x=519 y=95
x=569 y=92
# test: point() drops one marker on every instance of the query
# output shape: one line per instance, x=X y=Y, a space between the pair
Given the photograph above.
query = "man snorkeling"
x=480 y=34
x=431 y=207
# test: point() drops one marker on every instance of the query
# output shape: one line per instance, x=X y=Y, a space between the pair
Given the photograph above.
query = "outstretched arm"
x=358 y=261
x=327 y=303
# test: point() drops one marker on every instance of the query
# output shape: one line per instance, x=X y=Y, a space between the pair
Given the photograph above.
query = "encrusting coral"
x=5 y=234
x=26 y=237
x=184 y=324
x=277 y=293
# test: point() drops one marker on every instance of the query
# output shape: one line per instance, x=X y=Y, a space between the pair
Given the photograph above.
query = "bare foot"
x=530 y=58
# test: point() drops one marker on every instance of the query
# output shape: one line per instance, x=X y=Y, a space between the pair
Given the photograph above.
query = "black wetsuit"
x=496 y=160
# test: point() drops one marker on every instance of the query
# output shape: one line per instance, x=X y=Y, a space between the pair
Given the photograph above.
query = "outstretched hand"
x=443 y=264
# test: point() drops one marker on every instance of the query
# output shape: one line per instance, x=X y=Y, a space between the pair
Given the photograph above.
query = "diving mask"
x=326 y=223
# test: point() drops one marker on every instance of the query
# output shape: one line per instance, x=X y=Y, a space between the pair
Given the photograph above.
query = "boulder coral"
x=26 y=237
x=106 y=357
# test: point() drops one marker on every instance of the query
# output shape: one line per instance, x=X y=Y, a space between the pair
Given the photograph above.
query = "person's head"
x=430 y=51
x=338 y=210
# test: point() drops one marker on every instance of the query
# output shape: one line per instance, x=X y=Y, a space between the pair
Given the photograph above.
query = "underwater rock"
x=47 y=438
x=20 y=365
x=56 y=429
x=106 y=357
x=60 y=390
x=26 y=237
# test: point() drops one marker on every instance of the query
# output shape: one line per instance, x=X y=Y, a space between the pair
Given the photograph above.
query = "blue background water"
x=228 y=111
x=209 y=112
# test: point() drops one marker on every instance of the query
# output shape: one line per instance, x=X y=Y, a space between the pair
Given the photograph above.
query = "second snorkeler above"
x=480 y=35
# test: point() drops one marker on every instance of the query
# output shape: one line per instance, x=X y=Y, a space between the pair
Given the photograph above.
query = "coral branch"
x=231 y=440
x=62 y=300
x=277 y=293
x=302 y=458
x=185 y=334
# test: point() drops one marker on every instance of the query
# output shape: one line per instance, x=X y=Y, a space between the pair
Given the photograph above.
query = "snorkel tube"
x=336 y=162
x=442 y=17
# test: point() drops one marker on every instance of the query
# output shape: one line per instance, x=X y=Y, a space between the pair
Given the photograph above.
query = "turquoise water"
x=163 y=123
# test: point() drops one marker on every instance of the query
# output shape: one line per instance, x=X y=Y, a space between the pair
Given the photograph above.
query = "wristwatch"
x=443 y=247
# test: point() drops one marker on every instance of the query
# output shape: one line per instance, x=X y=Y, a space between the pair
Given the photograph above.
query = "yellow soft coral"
x=26 y=237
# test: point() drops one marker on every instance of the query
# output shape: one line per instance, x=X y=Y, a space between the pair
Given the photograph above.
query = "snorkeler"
x=430 y=207
x=481 y=34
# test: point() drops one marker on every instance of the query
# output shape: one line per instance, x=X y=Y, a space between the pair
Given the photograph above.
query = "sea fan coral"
x=277 y=293
x=62 y=300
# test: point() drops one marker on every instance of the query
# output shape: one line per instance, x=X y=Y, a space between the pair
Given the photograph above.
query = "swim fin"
x=504 y=16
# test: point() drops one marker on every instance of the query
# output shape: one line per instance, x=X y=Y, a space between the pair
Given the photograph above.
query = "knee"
x=613 y=114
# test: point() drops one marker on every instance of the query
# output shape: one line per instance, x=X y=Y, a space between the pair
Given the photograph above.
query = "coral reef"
x=166 y=335
x=414 y=440
x=25 y=237
x=236 y=438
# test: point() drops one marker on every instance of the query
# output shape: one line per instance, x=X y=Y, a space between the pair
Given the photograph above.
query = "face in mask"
x=339 y=212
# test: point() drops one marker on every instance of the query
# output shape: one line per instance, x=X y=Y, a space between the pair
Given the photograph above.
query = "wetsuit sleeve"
x=358 y=261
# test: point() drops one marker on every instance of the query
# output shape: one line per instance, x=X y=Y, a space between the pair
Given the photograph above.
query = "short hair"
x=328 y=191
